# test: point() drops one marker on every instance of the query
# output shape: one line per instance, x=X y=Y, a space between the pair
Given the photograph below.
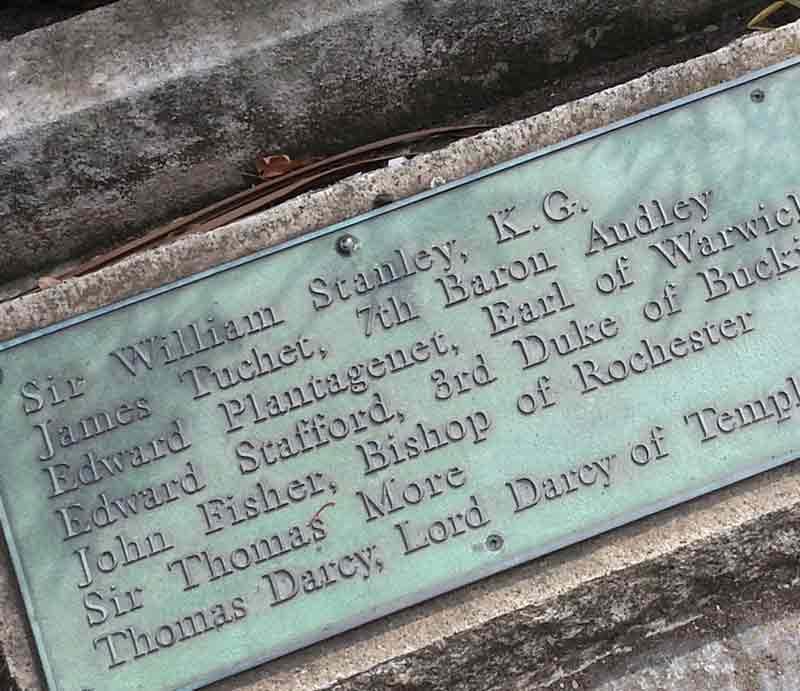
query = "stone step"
x=126 y=117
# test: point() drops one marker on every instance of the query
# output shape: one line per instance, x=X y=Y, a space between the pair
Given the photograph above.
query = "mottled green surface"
x=743 y=150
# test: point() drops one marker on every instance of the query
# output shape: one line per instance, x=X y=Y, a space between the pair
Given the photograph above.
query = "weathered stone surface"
x=731 y=640
x=762 y=656
x=141 y=111
x=556 y=613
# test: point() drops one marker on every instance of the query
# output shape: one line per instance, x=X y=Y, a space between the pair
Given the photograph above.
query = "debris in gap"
x=48 y=282
x=759 y=22
x=284 y=178
x=274 y=166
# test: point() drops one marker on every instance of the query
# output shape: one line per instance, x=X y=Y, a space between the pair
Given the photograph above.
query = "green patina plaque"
x=246 y=462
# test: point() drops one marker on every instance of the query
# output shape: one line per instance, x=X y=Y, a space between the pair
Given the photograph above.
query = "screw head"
x=757 y=96
x=494 y=543
x=346 y=245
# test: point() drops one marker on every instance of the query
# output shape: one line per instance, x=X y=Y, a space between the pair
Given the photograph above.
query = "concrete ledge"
x=134 y=114
x=544 y=618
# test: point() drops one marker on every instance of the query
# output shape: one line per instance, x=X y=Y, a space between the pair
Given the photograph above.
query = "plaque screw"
x=494 y=543
x=346 y=245
x=757 y=96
